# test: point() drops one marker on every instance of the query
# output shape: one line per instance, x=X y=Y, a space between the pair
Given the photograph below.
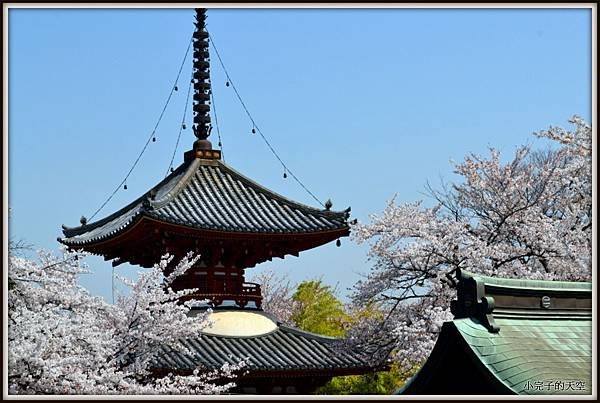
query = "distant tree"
x=317 y=310
x=62 y=340
x=375 y=383
x=529 y=218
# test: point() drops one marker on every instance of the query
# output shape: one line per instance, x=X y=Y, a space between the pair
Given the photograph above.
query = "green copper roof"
x=531 y=284
x=512 y=336
x=535 y=356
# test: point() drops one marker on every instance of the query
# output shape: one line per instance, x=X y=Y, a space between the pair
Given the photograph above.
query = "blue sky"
x=361 y=104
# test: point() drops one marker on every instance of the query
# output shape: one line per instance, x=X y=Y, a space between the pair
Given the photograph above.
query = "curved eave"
x=496 y=384
x=198 y=232
x=449 y=341
x=166 y=208
x=70 y=232
x=231 y=229
x=283 y=372
x=105 y=237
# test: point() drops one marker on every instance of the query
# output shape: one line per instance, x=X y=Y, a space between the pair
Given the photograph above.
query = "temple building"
x=512 y=336
x=234 y=223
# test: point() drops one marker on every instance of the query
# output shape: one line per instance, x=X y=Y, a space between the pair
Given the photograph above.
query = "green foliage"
x=377 y=383
x=318 y=310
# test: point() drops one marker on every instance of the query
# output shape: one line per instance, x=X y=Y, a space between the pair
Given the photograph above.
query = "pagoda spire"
x=201 y=80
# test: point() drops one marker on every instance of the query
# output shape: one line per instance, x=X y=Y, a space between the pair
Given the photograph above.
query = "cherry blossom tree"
x=62 y=340
x=276 y=290
x=530 y=217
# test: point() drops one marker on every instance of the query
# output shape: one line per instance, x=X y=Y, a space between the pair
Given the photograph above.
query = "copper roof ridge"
x=532 y=285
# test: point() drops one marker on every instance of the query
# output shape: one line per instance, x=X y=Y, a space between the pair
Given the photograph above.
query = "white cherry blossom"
x=528 y=218
x=62 y=340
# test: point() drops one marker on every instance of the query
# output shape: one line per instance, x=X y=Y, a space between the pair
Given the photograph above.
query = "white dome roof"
x=239 y=323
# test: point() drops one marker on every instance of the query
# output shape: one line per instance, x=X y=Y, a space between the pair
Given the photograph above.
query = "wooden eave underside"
x=149 y=238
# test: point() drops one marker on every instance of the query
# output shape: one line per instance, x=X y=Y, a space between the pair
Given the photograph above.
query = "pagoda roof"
x=529 y=337
x=207 y=194
x=282 y=349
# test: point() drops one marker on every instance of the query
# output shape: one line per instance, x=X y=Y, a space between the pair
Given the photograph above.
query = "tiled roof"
x=208 y=194
x=284 y=349
x=535 y=351
x=512 y=336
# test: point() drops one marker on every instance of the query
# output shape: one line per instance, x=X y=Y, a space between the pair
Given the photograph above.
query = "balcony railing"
x=218 y=292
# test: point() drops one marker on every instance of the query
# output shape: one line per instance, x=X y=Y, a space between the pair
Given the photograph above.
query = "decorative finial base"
x=202 y=144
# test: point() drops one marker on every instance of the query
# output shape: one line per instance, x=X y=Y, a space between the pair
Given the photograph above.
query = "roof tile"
x=208 y=194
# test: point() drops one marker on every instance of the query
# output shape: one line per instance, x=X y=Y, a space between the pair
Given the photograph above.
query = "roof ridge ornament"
x=471 y=301
x=201 y=81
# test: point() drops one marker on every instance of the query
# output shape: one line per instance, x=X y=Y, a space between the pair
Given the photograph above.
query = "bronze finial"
x=201 y=80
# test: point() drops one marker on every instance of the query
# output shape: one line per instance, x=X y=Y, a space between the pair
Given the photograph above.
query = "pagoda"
x=207 y=207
